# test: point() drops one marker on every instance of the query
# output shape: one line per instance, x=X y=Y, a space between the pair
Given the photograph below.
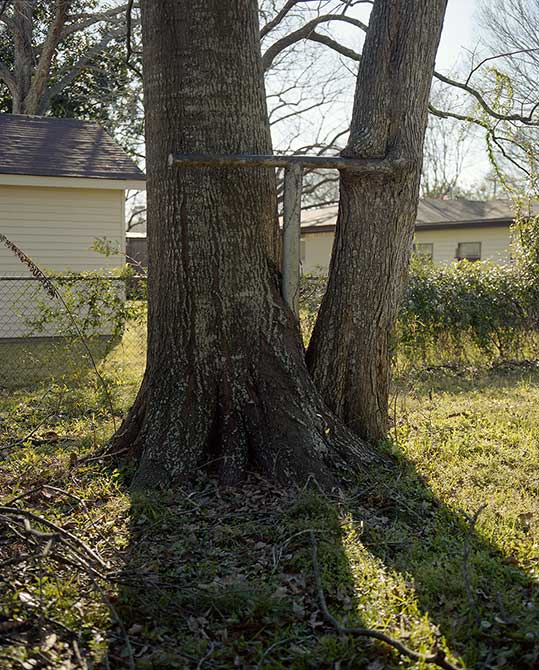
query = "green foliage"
x=495 y=308
x=463 y=311
x=94 y=305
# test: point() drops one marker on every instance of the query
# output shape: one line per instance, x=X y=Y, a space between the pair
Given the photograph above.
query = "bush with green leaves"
x=92 y=304
x=466 y=308
x=460 y=312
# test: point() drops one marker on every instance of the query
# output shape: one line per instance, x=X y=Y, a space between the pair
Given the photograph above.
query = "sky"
x=460 y=37
x=457 y=34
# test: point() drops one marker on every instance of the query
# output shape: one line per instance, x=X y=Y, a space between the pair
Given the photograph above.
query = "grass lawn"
x=224 y=579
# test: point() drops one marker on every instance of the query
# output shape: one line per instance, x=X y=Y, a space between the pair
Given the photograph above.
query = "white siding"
x=56 y=227
x=495 y=242
x=318 y=248
x=495 y=245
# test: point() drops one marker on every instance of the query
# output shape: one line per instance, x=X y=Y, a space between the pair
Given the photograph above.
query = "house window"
x=424 y=250
x=470 y=251
x=302 y=250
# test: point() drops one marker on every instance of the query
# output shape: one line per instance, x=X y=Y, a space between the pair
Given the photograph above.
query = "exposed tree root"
x=267 y=418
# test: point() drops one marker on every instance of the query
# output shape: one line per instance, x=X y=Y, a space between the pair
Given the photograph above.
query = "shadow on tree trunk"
x=223 y=578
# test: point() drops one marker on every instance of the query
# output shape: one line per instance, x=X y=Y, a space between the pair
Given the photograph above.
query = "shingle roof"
x=51 y=147
x=463 y=211
x=430 y=214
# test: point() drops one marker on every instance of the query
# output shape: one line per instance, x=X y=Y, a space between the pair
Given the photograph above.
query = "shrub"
x=93 y=304
x=461 y=311
x=467 y=308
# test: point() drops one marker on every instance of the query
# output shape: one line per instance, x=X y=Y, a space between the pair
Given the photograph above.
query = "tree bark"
x=226 y=386
x=348 y=355
x=23 y=53
x=36 y=100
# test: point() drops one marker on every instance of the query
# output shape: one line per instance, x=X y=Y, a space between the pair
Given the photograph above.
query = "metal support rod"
x=359 y=165
x=293 y=184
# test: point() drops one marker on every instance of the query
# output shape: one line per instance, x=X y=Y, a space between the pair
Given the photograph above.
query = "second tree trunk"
x=348 y=355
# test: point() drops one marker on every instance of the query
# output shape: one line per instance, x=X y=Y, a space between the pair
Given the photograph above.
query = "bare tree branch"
x=71 y=72
x=336 y=46
x=3 y=7
x=496 y=57
x=304 y=33
x=128 y=24
x=308 y=32
x=271 y=25
x=290 y=4
x=446 y=114
x=80 y=22
x=7 y=77
x=526 y=120
x=41 y=72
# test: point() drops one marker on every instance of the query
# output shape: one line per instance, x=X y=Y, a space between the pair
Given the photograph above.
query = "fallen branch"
x=45 y=487
x=58 y=530
x=438 y=658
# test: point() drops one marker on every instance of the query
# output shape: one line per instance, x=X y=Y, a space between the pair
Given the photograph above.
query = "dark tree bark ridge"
x=348 y=355
x=226 y=383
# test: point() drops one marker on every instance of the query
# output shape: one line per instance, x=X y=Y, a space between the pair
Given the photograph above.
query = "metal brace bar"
x=293 y=184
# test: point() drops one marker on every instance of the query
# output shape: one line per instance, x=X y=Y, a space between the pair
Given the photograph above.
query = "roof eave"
x=481 y=223
x=126 y=184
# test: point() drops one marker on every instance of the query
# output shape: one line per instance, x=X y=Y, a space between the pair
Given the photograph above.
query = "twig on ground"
x=438 y=658
x=78 y=564
x=206 y=655
x=116 y=617
x=277 y=550
x=58 y=530
x=100 y=456
x=472 y=520
x=80 y=660
x=13 y=659
x=279 y=643
x=15 y=560
x=45 y=487
x=22 y=440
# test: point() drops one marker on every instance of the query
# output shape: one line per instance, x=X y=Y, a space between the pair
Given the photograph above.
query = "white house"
x=446 y=230
x=62 y=185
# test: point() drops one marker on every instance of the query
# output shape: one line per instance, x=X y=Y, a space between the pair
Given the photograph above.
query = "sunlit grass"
x=391 y=551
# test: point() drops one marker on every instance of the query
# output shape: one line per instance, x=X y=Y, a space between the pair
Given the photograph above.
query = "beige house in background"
x=62 y=185
x=446 y=230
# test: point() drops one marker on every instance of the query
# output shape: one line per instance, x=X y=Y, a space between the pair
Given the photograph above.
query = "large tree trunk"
x=348 y=355
x=226 y=384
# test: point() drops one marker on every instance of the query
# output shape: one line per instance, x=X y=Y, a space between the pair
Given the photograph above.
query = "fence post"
x=293 y=184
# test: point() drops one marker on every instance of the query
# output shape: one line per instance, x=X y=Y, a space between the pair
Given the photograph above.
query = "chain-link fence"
x=96 y=322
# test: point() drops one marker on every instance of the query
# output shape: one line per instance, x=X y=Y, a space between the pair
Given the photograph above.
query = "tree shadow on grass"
x=224 y=579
